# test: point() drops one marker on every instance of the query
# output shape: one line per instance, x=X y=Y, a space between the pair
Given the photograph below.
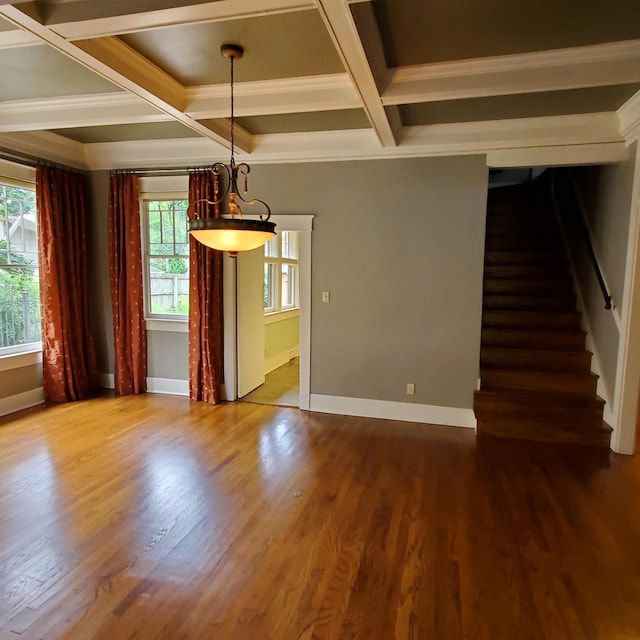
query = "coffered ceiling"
x=140 y=83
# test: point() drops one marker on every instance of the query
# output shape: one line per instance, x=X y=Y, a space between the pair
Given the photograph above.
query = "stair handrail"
x=585 y=229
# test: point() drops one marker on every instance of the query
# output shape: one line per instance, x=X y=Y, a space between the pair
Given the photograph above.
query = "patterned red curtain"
x=125 y=274
x=205 y=298
x=68 y=355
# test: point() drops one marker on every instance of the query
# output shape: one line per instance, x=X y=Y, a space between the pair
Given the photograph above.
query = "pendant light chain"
x=232 y=122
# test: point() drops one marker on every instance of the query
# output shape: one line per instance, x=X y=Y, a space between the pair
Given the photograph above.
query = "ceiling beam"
x=197 y=13
x=340 y=24
x=571 y=68
x=113 y=60
x=270 y=97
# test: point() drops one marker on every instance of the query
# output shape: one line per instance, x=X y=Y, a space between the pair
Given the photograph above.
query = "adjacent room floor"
x=159 y=518
x=281 y=386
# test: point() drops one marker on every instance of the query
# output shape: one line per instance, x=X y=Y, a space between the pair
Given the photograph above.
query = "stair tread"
x=589 y=375
x=538 y=397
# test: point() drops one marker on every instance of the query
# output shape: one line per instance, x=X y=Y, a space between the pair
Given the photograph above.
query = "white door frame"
x=304 y=224
x=628 y=371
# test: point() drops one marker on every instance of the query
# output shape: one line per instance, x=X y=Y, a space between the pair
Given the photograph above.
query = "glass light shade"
x=232 y=234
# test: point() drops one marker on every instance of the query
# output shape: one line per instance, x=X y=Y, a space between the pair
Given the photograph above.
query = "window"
x=166 y=258
x=20 y=328
x=281 y=272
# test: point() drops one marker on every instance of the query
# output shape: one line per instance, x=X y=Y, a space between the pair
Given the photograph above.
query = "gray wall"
x=399 y=245
x=101 y=316
x=606 y=192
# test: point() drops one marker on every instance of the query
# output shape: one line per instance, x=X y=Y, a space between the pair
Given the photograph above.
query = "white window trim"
x=23 y=359
x=178 y=324
x=279 y=316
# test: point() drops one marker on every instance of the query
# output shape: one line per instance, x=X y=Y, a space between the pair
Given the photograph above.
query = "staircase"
x=536 y=381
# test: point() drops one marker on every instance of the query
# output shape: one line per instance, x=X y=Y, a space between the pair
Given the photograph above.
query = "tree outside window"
x=20 y=321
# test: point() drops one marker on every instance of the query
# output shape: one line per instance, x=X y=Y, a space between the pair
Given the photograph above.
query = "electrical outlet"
x=411 y=389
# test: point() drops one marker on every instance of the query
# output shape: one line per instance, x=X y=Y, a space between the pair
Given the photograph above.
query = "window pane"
x=167 y=257
x=289 y=278
x=271 y=248
x=19 y=285
x=18 y=226
x=290 y=244
x=169 y=285
x=269 y=286
x=19 y=306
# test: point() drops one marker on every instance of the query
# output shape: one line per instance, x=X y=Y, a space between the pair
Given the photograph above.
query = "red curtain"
x=68 y=355
x=125 y=274
x=205 y=298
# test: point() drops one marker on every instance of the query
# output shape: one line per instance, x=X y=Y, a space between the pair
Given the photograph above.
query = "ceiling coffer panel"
x=276 y=46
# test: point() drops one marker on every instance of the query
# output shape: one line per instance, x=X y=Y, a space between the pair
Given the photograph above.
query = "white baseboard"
x=409 y=412
x=21 y=401
x=280 y=359
x=168 y=386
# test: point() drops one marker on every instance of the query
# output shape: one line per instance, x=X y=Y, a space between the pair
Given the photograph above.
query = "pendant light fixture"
x=232 y=232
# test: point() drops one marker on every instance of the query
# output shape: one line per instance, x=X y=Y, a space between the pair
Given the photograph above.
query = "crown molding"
x=46 y=146
x=17 y=38
x=586 y=138
x=154 y=153
x=590 y=66
x=629 y=115
x=76 y=111
x=558 y=156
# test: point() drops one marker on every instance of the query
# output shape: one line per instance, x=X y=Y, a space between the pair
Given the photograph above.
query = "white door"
x=250 y=320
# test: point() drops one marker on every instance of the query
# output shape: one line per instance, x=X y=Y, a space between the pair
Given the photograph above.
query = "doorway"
x=255 y=369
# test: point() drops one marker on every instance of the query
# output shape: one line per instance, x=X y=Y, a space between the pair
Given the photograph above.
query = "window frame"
x=33 y=346
x=159 y=321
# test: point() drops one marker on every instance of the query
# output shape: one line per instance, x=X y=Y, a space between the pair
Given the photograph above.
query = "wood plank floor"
x=153 y=517
x=281 y=386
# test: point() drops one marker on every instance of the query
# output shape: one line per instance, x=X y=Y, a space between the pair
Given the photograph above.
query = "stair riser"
x=525 y=242
x=556 y=361
x=578 y=420
x=539 y=432
x=542 y=272
x=516 y=286
x=531 y=320
x=573 y=341
x=524 y=302
x=506 y=257
x=566 y=383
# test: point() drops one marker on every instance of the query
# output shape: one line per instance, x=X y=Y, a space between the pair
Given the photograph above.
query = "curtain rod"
x=19 y=158
x=161 y=172
x=33 y=161
x=27 y=160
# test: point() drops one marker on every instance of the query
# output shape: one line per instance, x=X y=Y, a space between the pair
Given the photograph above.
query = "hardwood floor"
x=281 y=386
x=152 y=517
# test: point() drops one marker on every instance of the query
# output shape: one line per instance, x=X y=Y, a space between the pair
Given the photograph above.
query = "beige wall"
x=15 y=381
x=606 y=193
x=280 y=337
x=399 y=244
